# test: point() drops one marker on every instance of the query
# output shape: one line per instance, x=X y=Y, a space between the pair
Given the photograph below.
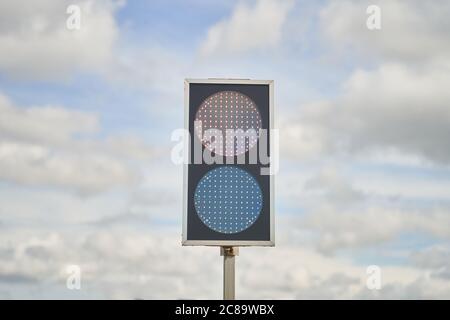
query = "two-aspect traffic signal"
x=228 y=185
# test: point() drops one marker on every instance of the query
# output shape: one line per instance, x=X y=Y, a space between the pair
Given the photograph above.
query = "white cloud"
x=396 y=110
x=359 y=227
x=46 y=209
x=390 y=108
x=411 y=31
x=308 y=137
x=40 y=147
x=116 y=263
x=124 y=263
x=333 y=186
x=148 y=67
x=435 y=259
x=38 y=165
x=344 y=210
x=404 y=186
x=47 y=124
x=248 y=28
x=35 y=43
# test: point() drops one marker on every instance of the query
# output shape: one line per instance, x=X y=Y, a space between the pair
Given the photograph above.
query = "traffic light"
x=228 y=181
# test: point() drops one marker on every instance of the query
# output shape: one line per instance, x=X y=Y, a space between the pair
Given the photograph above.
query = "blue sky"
x=86 y=176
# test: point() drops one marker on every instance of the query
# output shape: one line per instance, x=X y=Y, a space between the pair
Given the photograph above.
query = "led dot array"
x=229 y=110
x=228 y=199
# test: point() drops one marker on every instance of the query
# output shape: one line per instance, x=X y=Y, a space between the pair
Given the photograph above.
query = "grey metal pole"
x=229 y=254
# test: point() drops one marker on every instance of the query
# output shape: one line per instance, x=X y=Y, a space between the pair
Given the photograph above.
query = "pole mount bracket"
x=229 y=251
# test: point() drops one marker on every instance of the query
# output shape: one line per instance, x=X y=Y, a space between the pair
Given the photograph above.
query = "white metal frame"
x=229 y=243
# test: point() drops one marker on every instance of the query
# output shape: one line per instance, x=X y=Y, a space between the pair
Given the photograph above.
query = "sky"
x=86 y=176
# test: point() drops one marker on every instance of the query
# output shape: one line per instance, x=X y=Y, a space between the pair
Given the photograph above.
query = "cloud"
x=40 y=124
x=420 y=288
x=248 y=28
x=37 y=165
x=390 y=108
x=36 y=44
x=127 y=263
x=309 y=137
x=54 y=146
x=397 y=108
x=13 y=278
x=336 y=285
x=113 y=268
x=411 y=31
x=358 y=228
x=57 y=207
x=435 y=259
x=152 y=199
x=393 y=112
x=334 y=187
x=148 y=67
x=339 y=213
